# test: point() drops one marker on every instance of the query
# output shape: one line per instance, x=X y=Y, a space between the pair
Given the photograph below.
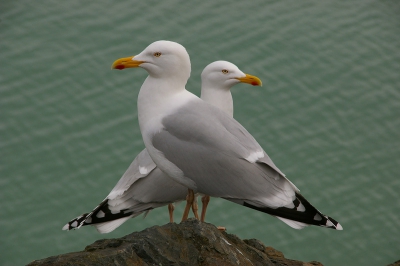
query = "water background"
x=328 y=114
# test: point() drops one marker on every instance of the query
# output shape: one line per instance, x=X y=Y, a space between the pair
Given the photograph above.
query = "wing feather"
x=212 y=149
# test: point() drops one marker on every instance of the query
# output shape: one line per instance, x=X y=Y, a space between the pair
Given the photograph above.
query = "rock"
x=187 y=243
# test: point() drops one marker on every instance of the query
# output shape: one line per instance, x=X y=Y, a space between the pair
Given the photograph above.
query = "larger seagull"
x=206 y=150
x=143 y=186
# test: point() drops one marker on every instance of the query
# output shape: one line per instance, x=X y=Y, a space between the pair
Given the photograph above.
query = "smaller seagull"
x=144 y=186
x=206 y=150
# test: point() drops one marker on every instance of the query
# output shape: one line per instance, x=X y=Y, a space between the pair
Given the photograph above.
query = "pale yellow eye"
x=157 y=54
x=225 y=71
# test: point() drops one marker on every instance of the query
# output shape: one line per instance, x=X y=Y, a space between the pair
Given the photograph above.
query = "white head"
x=223 y=75
x=161 y=59
x=216 y=81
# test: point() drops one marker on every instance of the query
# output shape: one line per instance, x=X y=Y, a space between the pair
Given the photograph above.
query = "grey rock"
x=188 y=243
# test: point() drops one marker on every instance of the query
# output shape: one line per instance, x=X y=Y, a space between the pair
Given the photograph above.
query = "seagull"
x=204 y=149
x=144 y=187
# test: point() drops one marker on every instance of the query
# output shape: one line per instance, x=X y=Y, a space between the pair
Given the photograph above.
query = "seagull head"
x=161 y=59
x=223 y=74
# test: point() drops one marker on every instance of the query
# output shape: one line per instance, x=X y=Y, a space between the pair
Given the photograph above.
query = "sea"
x=328 y=114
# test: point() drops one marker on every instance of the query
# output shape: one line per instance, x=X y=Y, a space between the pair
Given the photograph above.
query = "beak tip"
x=250 y=79
x=118 y=67
x=126 y=62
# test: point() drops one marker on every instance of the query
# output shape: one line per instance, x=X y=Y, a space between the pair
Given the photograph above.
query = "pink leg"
x=189 y=202
x=171 y=209
x=195 y=208
x=205 y=200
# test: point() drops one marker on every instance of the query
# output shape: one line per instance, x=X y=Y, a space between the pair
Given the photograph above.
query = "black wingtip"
x=302 y=212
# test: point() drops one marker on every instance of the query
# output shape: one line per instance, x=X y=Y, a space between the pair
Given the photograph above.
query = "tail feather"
x=109 y=226
x=101 y=215
x=300 y=215
x=293 y=224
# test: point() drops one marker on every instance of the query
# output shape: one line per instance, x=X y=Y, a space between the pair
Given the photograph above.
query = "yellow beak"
x=250 y=79
x=126 y=62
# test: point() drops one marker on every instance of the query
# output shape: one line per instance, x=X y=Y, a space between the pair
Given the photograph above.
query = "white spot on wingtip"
x=100 y=214
x=339 y=227
x=143 y=170
x=290 y=205
x=88 y=220
x=301 y=208
x=74 y=224
x=66 y=227
x=253 y=157
x=317 y=217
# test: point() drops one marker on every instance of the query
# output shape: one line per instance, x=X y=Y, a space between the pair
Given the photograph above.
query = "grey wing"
x=215 y=151
x=142 y=188
x=141 y=166
x=222 y=158
x=155 y=190
x=254 y=151
x=247 y=140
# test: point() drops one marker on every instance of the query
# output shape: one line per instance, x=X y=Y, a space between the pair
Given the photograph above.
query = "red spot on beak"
x=120 y=67
x=254 y=83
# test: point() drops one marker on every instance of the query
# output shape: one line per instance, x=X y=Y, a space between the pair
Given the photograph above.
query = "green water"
x=327 y=114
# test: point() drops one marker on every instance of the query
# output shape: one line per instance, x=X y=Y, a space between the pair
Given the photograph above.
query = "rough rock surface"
x=188 y=243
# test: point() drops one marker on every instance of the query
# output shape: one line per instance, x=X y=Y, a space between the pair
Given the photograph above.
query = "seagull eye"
x=225 y=71
x=157 y=54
